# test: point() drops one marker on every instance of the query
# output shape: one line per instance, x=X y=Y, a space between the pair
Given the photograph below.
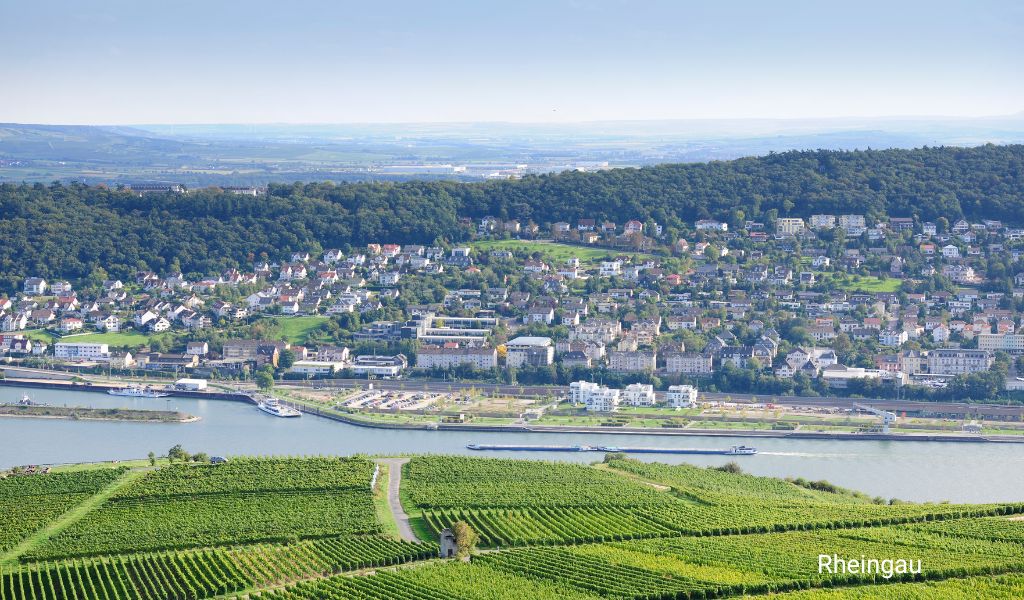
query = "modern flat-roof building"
x=681 y=396
x=81 y=351
x=529 y=351
x=638 y=394
x=1012 y=343
x=596 y=397
x=480 y=358
x=380 y=366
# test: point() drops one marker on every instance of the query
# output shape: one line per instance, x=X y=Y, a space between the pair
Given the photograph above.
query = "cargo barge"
x=731 y=451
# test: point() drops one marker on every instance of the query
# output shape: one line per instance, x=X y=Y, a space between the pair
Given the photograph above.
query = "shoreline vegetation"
x=83 y=413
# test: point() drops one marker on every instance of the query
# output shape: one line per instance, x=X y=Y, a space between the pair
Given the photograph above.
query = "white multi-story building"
x=596 y=397
x=852 y=222
x=579 y=390
x=958 y=361
x=379 y=366
x=529 y=351
x=690 y=363
x=316 y=367
x=892 y=337
x=81 y=351
x=681 y=396
x=1012 y=343
x=711 y=225
x=789 y=225
x=596 y=330
x=478 y=358
x=823 y=221
x=638 y=394
x=611 y=268
x=632 y=361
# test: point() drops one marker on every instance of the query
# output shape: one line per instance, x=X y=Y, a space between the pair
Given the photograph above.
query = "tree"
x=286 y=359
x=177 y=453
x=201 y=457
x=152 y=459
x=465 y=538
x=265 y=379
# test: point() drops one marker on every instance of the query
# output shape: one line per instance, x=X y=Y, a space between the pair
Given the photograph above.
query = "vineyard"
x=255 y=500
x=548 y=503
x=29 y=502
x=203 y=573
x=251 y=475
x=453 y=481
x=717 y=487
x=309 y=528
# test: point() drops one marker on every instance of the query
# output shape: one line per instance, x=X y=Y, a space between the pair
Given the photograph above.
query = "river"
x=918 y=471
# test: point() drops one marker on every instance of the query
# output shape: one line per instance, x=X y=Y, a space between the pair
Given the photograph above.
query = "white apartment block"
x=958 y=361
x=632 y=361
x=789 y=225
x=81 y=351
x=638 y=394
x=853 y=222
x=445 y=358
x=597 y=397
x=529 y=351
x=689 y=363
x=1012 y=343
x=823 y=221
x=316 y=367
x=681 y=396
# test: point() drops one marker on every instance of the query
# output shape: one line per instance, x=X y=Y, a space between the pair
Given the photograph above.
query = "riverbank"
x=102 y=388
x=361 y=421
x=35 y=411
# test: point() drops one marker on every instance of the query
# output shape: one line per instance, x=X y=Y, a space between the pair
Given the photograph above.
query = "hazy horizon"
x=119 y=62
x=822 y=119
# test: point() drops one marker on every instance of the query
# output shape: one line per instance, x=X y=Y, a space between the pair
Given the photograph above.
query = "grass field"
x=38 y=335
x=297 y=329
x=129 y=339
x=864 y=283
x=554 y=253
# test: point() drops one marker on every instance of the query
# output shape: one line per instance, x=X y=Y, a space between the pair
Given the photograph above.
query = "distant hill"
x=200 y=155
x=77 y=231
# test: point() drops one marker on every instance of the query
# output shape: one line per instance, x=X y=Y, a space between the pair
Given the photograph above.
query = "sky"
x=332 y=61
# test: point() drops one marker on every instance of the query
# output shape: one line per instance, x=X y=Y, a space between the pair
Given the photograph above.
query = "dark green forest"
x=79 y=232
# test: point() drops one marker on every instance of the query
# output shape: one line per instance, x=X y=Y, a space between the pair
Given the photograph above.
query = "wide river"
x=920 y=471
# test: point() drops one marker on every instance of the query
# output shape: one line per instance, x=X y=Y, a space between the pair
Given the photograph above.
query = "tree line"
x=86 y=233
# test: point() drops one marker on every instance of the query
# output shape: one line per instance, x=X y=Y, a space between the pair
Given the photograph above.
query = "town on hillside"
x=838 y=304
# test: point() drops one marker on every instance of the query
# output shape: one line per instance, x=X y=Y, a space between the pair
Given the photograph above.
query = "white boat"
x=136 y=391
x=742 y=450
x=273 y=407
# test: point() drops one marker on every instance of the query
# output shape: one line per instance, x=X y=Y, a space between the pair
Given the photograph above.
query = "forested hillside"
x=76 y=231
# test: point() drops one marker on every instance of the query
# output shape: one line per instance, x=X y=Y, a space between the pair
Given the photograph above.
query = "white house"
x=35 y=286
x=611 y=268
